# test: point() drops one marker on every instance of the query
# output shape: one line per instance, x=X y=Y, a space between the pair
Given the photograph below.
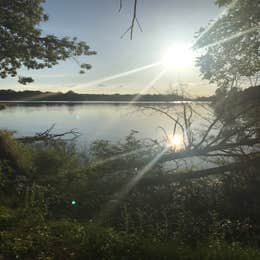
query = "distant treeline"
x=28 y=95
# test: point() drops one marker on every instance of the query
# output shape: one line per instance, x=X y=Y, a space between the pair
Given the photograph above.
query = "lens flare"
x=117 y=76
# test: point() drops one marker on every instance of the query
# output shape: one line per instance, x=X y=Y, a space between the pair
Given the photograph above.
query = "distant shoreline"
x=13 y=102
x=38 y=96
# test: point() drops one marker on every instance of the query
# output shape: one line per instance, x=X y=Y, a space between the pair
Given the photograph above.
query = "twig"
x=120 y=5
x=134 y=20
x=46 y=136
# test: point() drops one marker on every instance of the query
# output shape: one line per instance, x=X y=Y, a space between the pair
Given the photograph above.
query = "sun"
x=177 y=56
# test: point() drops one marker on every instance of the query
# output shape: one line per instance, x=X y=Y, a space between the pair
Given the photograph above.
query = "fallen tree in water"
x=209 y=172
x=47 y=136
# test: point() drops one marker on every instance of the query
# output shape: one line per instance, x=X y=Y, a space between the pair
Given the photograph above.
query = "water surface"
x=94 y=120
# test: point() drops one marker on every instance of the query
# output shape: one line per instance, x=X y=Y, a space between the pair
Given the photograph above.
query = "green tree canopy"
x=231 y=44
x=23 y=43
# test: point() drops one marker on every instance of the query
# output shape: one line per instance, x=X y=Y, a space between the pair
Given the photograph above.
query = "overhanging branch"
x=220 y=170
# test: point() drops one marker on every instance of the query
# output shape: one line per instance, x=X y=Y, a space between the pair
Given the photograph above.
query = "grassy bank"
x=59 y=203
x=29 y=236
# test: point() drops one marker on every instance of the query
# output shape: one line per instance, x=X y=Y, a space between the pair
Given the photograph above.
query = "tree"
x=23 y=43
x=232 y=44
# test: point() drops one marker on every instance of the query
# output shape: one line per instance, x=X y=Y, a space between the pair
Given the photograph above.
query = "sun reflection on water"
x=175 y=142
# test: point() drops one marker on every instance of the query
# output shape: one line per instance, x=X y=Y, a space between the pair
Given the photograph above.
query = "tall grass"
x=203 y=219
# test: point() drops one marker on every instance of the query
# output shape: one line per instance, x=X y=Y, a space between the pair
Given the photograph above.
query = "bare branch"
x=47 y=136
x=133 y=22
x=177 y=123
x=120 y=5
x=207 y=150
x=220 y=170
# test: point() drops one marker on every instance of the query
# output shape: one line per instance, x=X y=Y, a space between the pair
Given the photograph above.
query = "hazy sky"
x=164 y=22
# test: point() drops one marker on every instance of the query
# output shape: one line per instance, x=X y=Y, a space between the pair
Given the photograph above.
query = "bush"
x=56 y=203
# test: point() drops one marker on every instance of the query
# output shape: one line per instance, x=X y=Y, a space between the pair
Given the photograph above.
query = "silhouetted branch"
x=47 y=136
x=133 y=22
x=120 y=5
x=220 y=170
x=170 y=156
x=176 y=121
x=220 y=139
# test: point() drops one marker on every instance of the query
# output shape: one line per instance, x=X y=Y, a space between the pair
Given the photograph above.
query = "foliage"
x=236 y=101
x=2 y=107
x=24 y=44
x=232 y=44
x=28 y=235
x=203 y=219
x=13 y=153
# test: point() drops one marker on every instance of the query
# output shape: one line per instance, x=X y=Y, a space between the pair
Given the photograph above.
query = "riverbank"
x=57 y=202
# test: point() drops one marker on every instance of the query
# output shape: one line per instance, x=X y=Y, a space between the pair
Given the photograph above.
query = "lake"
x=95 y=120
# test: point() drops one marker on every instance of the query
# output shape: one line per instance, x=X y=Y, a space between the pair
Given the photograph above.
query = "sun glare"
x=175 y=141
x=178 y=56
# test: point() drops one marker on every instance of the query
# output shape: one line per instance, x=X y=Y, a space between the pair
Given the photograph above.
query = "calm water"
x=94 y=121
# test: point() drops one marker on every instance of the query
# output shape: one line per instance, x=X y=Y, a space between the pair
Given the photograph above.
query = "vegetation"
x=232 y=45
x=23 y=44
x=57 y=202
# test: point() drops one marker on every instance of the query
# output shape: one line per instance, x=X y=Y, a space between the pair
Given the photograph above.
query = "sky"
x=165 y=23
